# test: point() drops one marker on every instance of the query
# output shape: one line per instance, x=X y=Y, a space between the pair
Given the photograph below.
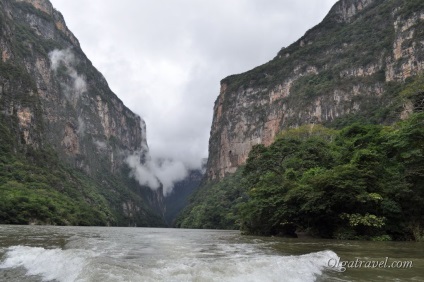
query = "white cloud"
x=100 y=145
x=81 y=126
x=156 y=173
x=143 y=172
x=165 y=59
x=77 y=85
x=57 y=57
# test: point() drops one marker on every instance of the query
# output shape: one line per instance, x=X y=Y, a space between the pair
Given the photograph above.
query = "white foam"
x=303 y=268
x=50 y=264
x=233 y=263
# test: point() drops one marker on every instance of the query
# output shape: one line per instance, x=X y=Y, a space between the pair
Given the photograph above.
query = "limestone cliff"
x=51 y=96
x=347 y=68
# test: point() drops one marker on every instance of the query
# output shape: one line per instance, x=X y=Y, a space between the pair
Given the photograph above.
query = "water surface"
x=48 y=253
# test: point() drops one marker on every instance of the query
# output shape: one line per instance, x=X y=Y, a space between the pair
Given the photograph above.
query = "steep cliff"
x=53 y=101
x=350 y=67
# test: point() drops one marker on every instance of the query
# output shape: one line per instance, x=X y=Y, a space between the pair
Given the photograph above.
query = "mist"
x=153 y=172
x=156 y=173
x=76 y=85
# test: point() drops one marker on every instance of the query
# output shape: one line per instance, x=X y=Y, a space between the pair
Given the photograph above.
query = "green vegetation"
x=9 y=71
x=410 y=7
x=214 y=206
x=37 y=188
x=360 y=182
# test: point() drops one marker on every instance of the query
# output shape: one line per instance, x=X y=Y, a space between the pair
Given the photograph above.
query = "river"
x=49 y=253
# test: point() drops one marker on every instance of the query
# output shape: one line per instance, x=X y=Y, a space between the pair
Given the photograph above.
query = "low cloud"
x=169 y=172
x=100 y=145
x=77 y=85
x=81 y=126
x=156 y=173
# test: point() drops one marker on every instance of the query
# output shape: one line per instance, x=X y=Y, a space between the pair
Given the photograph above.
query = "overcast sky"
x=165 y=58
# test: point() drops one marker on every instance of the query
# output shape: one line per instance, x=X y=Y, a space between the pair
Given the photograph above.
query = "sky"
x=165 y=58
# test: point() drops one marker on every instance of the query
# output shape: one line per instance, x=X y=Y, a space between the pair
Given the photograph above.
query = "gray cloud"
x=165 y=59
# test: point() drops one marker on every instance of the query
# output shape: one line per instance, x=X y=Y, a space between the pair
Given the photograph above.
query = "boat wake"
x=88 y=265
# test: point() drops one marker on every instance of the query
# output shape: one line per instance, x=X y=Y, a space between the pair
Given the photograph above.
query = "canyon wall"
x=349 y=67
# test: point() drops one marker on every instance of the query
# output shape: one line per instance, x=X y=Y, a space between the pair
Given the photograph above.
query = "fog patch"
x=63 y=62
x=142 y=171
x=81 y=127
x=100 y=145
x=156 y=173
x=169 y=172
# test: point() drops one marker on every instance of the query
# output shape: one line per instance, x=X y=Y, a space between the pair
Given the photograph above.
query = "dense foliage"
x=36 y=188
x=360 y=182
x=214 y=206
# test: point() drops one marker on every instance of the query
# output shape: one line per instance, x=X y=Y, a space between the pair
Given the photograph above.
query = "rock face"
x=76 y=100
x=59 y=99
x=347 y=67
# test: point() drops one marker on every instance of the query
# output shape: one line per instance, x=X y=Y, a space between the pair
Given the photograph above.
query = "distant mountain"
x=64 y=135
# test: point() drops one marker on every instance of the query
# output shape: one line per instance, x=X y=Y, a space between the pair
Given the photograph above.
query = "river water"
x=48 y=253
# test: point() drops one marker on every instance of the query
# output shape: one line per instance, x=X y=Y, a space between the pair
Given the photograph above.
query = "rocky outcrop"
x=346 y=67
x=347 y=9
